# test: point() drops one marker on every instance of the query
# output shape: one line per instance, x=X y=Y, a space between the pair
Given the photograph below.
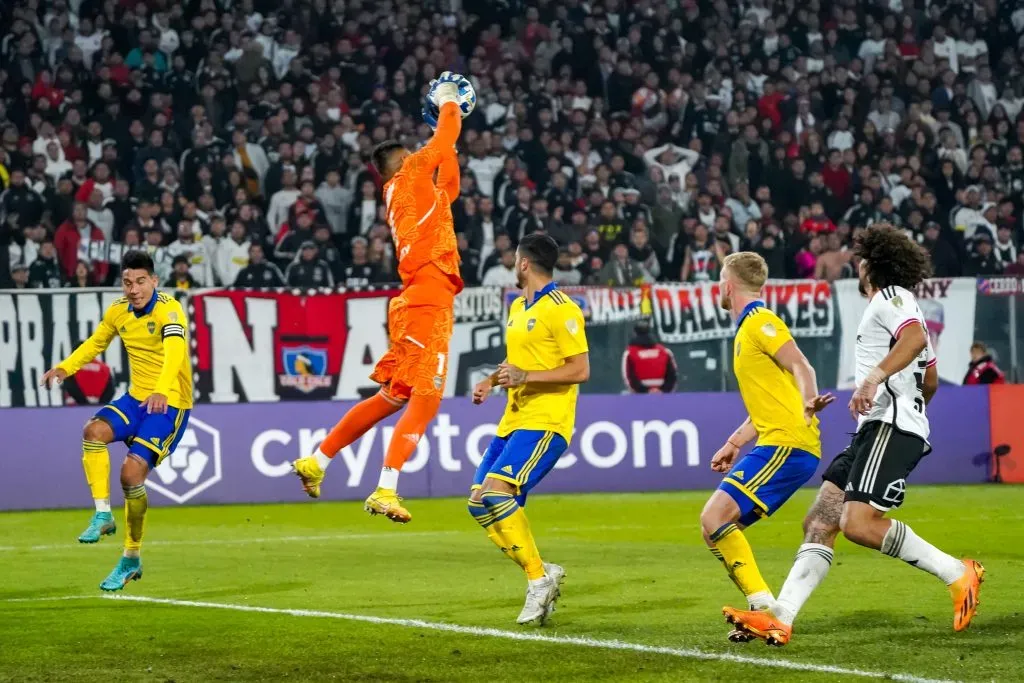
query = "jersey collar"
x=747 y=310
x=145 y=310
x=546 y=289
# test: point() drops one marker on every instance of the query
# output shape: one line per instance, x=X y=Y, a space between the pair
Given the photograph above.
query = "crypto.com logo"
x=193 y=467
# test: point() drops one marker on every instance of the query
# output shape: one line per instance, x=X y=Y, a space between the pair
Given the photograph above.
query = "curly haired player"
x=420 y=320
x=896 y=378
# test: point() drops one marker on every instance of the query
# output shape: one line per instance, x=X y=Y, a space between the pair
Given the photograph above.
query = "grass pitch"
x=320 y=591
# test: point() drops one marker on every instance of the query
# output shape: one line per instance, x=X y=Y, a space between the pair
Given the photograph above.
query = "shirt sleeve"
x=569 y=330
x=424 y=162
x=768 y=332
x=171 y=318
x=896 y=313
x=96 y=344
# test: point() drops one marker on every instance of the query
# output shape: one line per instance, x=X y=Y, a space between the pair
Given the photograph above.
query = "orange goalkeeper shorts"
x=420 y=324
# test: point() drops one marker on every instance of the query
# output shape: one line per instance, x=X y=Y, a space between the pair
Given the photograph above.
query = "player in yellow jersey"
x=548 y=359
x=780 y=393
x=150 y=418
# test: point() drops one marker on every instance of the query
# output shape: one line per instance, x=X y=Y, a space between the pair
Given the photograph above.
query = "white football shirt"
x=899 y=400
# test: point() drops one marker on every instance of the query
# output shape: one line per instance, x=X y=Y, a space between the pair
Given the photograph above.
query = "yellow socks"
x=96 y=463
x=135 y=505
x=738 y=559
x=509 y=529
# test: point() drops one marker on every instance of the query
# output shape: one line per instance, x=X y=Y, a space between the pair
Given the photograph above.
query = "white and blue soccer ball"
x=467 y=97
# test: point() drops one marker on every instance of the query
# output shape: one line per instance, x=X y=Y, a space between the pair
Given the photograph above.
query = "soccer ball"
x=467 y=97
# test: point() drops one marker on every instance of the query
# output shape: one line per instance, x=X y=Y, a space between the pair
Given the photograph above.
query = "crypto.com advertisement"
x=240 y=453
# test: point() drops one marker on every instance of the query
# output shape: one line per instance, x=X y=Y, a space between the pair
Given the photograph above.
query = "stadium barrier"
x=240 y=453
x=272 y=346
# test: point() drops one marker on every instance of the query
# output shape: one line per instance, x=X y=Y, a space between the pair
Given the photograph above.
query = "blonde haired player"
x=420 y=321
x=780 y=393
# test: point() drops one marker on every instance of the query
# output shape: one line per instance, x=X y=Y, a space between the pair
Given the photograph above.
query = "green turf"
x=637 y=573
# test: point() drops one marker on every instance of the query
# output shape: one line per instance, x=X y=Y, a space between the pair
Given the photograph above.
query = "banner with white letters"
x=948 y=307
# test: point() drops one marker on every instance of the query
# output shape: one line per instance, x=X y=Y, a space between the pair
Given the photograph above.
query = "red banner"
x=268 y=346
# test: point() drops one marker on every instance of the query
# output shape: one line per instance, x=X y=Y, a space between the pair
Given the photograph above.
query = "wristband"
x=446 y=92
x=876 y=376
x=729 y=441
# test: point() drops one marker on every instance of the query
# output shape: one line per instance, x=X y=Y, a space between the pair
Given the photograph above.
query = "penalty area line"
x=579 y=641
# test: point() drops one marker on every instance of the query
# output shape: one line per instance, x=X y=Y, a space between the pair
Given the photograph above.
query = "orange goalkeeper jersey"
x=420 y=212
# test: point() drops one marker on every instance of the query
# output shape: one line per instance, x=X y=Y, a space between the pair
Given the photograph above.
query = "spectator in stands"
x=503 y=274
x=565 y=273
x=260 y=273
x=834 y=262
x=19 y=276
x=309 y=270
x=359 y=272
x=82 y=277
x=621 y=270
x=73 y=240
x=701 y=262
x=647 y=366
x=945 y=262
x=44 y=273
x=469 y=267
x=983 y=261
x=196 y=252
x=233 y=254
x=982 y=368
x=181 y=278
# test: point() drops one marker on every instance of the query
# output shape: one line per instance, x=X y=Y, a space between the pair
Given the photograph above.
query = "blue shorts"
x=767 y=477
x=151 y=437
x=522 y=458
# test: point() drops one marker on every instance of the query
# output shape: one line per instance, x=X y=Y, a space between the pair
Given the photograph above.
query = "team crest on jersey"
x=438 y=382
x=305 y=368
x=768 y=330
x=897 y=302
x=151 y=327
x=530 y=324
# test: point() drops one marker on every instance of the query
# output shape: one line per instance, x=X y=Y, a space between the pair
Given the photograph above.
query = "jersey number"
x=919 y=380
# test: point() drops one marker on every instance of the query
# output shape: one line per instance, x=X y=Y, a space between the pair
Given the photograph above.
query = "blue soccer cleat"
x=102 y=524
x=128 y=569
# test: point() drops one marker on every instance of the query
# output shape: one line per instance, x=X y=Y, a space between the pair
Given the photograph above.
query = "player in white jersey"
x=896 y=378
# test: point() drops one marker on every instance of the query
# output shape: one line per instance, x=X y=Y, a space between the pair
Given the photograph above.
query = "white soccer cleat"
x=541 y=596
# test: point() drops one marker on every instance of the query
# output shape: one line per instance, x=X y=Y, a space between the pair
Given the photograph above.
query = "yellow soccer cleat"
x=386 y=502
x=966 y=593
x=311 y=474
x=759 y=623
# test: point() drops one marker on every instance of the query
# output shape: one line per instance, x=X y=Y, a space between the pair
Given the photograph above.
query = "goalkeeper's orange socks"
x=357 y=421
x=410 y=428
x=419 y=411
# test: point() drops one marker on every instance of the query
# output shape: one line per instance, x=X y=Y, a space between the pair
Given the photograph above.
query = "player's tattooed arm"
x=822 y=522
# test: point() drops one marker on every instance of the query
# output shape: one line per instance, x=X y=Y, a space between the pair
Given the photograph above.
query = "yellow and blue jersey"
x=148 y=335
x=788 y=449
x=769 y=392
x=540 y=336
x=155 y=339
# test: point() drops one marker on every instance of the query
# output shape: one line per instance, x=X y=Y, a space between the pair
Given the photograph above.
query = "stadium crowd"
x=648 y=137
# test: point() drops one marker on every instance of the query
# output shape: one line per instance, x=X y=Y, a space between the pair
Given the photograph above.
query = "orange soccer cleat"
x=759 y=623
x=966 y=592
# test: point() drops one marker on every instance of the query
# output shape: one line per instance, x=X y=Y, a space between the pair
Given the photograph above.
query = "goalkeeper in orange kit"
x=412 y=373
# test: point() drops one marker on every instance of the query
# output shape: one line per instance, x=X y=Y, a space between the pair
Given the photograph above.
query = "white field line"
x=530 y=636
x=241 y=541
